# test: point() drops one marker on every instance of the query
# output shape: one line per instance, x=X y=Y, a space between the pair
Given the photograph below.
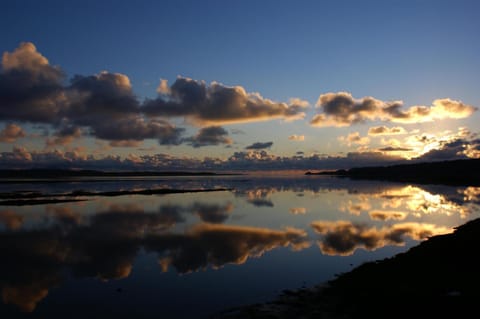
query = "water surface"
x=189 y=255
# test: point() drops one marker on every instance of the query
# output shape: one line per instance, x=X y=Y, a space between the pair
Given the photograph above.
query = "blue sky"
x=410 y=51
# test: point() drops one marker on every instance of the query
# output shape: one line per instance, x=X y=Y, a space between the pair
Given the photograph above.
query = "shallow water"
x=189 y=255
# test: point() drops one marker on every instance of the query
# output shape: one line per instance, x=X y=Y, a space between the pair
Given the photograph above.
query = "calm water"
x=193 y=254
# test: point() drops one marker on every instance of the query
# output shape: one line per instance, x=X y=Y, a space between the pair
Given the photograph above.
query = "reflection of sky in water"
x=143 y=254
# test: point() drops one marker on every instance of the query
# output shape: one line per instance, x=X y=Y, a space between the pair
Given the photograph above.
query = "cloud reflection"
x=212 y=213
x=387 y=214
x=37 y=252
x=11 y=219
x=105 y=245
x=344 y=237
x=216 y=245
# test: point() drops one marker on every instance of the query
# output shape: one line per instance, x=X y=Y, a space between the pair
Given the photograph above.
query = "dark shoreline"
x=437 y=278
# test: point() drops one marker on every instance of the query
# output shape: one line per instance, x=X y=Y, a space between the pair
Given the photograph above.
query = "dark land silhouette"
x=456 y=172
x=65 y=173
x=38 y=198
x=437 y=278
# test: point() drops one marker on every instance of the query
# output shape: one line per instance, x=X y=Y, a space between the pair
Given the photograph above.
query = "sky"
x=237 y=84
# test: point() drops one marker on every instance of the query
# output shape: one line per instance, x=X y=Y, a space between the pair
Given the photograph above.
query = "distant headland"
x=454 y=172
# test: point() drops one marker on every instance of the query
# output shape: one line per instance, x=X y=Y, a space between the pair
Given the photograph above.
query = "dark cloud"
x=212 y=135
x=259 y=146
x=105 y=103
x=64 y=135
x=341 y=109
x=138 y=129
x=96 y=98
x=460 y=148
x=102 y=105
x=218 y=104
x=383 y=130
x=30 y=88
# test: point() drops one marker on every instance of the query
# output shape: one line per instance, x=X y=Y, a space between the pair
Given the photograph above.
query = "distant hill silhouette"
x=62 y=173
x=456 y=172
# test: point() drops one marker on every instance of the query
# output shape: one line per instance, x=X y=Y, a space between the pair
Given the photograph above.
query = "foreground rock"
x=438 y=278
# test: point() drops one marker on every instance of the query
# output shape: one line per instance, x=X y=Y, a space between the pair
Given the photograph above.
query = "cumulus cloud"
x=341 y=109
x=138 y=129
x=212 y=135
x=298 y=210
x=64 y=136
x=163 y=87
x=383 y=130
x=11 y=133
x=296 y=137
x=30 y=88
x=106 y=104
x=102 y=105
x=93 y=99
x=259 y=146
x=217 y=104
x=354 y=138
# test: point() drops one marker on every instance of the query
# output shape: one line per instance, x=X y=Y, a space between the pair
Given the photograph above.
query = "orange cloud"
x=298 y=210
x=11 y=133
x=341 y=109
x=354 y=138
x=296 y=137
